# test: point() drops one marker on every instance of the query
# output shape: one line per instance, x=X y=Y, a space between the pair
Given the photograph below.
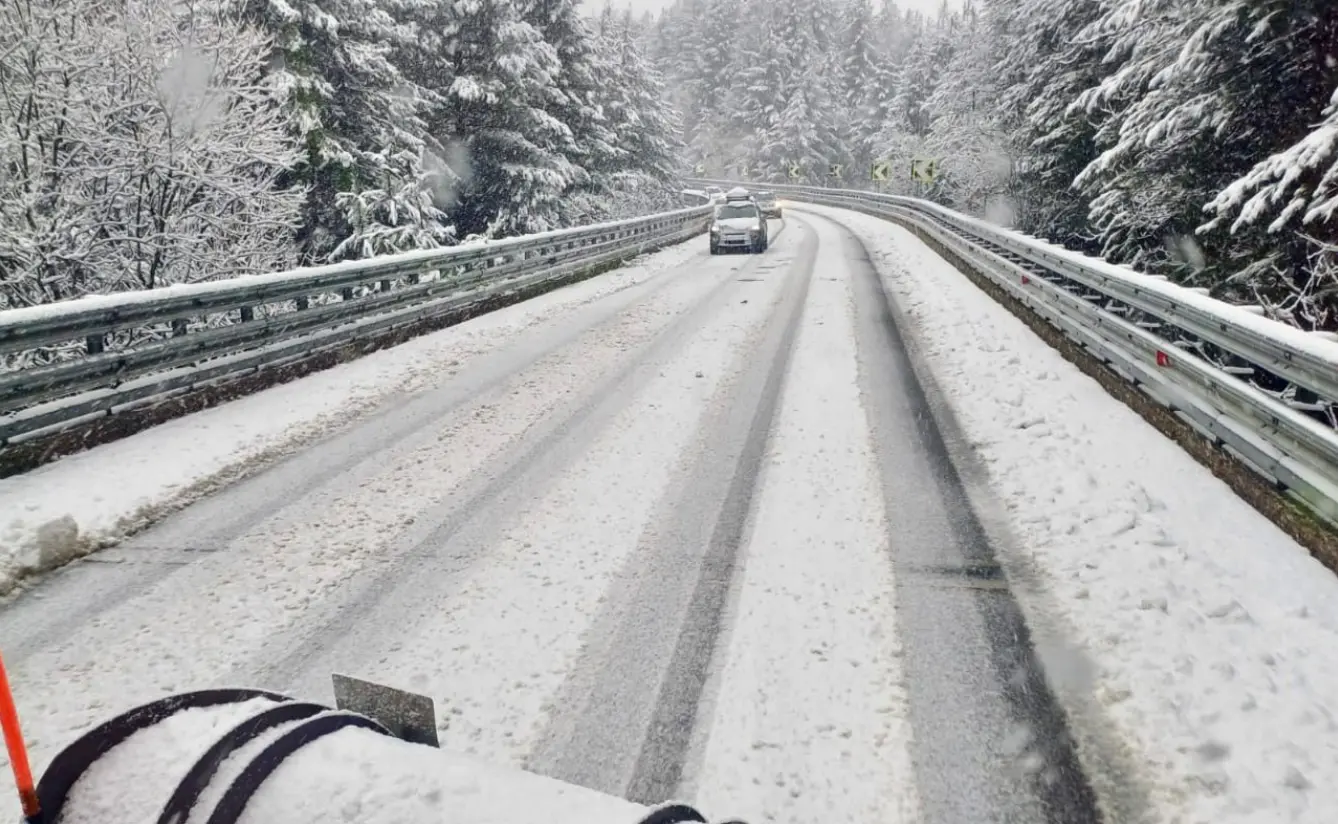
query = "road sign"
x=924 y=171
x=835 y=170
x=795 y=171
x=701 y=168
x=881 y=170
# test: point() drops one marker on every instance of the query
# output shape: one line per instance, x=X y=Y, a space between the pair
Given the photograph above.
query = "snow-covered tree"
x=860 y=78
x=965 y=129
x=573 y=99
x=499 y=73
x=140 y=146
x=370 y=187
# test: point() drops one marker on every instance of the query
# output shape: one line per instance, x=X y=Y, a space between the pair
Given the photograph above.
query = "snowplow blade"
x=243 y=756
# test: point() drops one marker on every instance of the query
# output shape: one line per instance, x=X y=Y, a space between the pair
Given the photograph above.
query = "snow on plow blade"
x=243 y=756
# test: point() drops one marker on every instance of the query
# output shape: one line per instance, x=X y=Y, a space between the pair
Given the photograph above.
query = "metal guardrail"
x=1256 y=387
x=77 y=360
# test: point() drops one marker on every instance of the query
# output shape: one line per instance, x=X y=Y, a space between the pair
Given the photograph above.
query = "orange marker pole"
x=18 y=753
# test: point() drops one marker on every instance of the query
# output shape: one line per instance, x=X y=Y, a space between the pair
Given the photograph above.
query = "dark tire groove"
x=966 y=770
x=665 y=748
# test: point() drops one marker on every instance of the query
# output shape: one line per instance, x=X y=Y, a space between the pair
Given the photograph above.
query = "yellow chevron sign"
x=881 y=171
x=924 y=171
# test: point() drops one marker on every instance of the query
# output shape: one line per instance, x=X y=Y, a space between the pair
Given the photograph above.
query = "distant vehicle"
x=769 y=205
x=739 y=224
x=715 y=194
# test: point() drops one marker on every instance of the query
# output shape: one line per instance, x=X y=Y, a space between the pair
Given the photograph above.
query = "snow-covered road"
x=692 y=529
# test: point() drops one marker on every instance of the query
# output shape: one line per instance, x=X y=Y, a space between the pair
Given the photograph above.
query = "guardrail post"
x=303 y=302
x=178 y=327
x=385 y=286
x=414 y=279
x=248 y=314
x=347 y=293
x=94 y=344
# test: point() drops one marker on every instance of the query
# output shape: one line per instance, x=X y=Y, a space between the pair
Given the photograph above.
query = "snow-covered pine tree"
x=360 y=123
x=491 y=82
x=1141 y=194
x=803 y=131
x=708 y=76
x=574 y=97
x=965 y=134
x=892 y=37
x=904 y=133
x=1278 y=116
x=672 y=54
x=646 y=127
x=1041 y=69
x=859 y=81
x=752 y=89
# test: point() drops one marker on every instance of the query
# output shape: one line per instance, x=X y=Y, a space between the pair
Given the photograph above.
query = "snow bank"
x=1214 y=635
x=92 y=499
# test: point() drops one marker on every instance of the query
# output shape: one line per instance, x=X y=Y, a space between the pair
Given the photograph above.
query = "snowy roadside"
x=95 y=498
x=1214 y=635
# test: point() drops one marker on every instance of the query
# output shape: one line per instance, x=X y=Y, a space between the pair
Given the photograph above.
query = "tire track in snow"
x=990 y=742
x=493 y=639
x=810 y=719
x=455 y=532
x=624 y=721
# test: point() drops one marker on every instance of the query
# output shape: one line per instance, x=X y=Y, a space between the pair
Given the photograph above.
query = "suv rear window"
x=735 y=210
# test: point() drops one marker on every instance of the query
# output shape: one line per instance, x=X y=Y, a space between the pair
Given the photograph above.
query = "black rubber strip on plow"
x=189 y=789
x=233 y=803
x=71 y=763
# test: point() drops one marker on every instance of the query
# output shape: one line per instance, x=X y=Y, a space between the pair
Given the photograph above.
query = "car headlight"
x=715 y=230
x=757 y=227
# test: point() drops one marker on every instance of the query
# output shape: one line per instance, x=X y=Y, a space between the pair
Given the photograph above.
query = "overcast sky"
x=926 y=6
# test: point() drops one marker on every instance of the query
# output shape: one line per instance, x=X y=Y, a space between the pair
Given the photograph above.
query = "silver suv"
x=739 y=224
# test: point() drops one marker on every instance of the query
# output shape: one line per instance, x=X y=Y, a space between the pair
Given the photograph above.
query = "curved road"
x=698 y=538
